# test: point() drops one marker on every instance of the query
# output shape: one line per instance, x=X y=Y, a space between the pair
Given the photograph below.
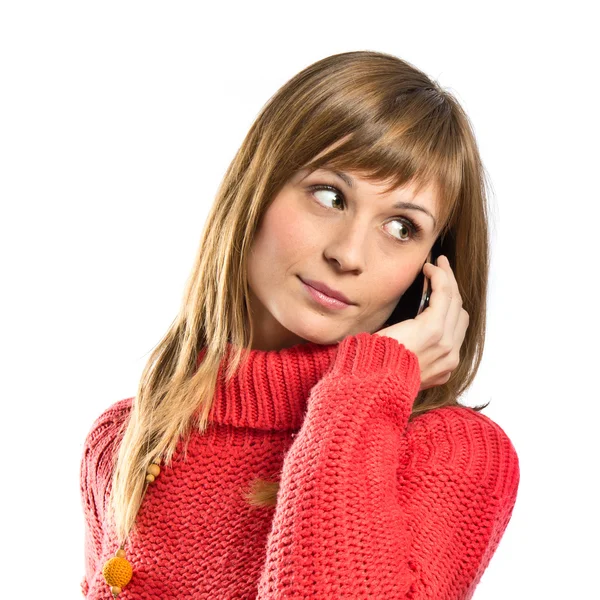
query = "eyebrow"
x=406 y=205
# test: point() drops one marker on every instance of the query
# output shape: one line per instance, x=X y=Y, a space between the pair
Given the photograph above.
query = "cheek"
x=281 y=237
x=391 y=283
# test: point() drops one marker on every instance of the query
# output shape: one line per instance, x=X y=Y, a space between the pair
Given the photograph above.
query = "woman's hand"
x=436 y=334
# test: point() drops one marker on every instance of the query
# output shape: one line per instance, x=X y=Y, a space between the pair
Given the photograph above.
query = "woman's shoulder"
x=460 y=422
x=466 y=443
x=107 y=426
x=99 y=452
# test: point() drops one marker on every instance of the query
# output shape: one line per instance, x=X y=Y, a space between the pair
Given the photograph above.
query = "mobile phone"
x=416 y=298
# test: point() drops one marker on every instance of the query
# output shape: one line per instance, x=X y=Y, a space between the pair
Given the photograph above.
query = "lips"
x=321 y=287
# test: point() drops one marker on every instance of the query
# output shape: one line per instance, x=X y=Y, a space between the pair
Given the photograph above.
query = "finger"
x=457 y=340
x=455 y=307
x=441 y=296
x=461 y=328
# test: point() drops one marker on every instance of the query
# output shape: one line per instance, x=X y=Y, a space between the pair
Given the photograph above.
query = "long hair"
x=395 y=123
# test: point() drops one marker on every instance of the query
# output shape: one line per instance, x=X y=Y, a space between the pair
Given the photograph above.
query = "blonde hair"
x=396 y=123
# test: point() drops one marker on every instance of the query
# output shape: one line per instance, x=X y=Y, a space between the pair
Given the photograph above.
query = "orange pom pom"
x=117 y=571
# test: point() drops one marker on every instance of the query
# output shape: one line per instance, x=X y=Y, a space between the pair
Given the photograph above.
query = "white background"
x=117 y=122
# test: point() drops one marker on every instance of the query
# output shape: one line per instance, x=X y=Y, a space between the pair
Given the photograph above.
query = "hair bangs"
x=408 y=147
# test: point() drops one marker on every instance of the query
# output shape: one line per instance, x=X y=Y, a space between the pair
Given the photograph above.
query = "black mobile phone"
x=416 y=298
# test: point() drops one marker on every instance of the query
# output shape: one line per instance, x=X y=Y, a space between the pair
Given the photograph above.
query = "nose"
x=347 y=248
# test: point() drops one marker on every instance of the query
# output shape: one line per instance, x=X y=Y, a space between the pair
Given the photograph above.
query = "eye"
x=413 y=228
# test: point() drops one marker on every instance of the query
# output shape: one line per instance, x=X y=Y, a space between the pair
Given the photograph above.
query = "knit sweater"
x=370 y=505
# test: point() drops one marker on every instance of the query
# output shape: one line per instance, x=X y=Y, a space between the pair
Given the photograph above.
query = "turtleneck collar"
x=270 y=390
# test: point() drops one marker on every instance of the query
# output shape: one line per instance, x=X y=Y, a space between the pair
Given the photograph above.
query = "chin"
x=306 y=335
x=324 y=340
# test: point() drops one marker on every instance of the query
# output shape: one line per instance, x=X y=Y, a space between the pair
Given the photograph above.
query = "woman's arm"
x=370 y=507
x=92 y=528
x=92 y=522
x=95 y=473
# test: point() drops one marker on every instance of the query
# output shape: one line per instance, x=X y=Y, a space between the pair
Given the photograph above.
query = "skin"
x=352 y=242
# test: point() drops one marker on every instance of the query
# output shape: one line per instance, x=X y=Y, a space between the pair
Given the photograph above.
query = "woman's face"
x=350 y=238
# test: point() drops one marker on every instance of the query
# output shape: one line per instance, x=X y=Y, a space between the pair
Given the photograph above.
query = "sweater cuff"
x=365 y=354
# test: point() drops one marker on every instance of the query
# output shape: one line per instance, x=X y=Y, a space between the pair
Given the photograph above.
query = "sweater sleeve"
x=94 y=479
x=372 y=507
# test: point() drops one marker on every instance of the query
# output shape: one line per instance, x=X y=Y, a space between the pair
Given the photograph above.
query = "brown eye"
x=327 y=188
x=413 y=228
x=406 y=227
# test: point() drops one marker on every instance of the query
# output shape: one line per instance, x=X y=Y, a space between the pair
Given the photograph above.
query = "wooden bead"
x=150 y=478
x=153 y=469
x=115 y=590
x=117 y=571
x=120 y=553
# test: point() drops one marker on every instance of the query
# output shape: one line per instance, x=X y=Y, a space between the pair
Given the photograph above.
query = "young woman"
x=282 y=442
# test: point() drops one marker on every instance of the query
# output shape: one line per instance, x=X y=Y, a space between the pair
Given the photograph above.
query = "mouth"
x=322 y=296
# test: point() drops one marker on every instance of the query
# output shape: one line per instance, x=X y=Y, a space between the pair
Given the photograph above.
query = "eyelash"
x=414 y=227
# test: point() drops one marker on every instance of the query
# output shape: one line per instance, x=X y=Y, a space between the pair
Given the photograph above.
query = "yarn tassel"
x=117 y=571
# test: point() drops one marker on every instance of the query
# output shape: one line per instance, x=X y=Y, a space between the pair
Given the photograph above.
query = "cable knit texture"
x=369 y=506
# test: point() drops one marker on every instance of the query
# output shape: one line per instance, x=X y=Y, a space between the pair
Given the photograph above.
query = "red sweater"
x=369 y=506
